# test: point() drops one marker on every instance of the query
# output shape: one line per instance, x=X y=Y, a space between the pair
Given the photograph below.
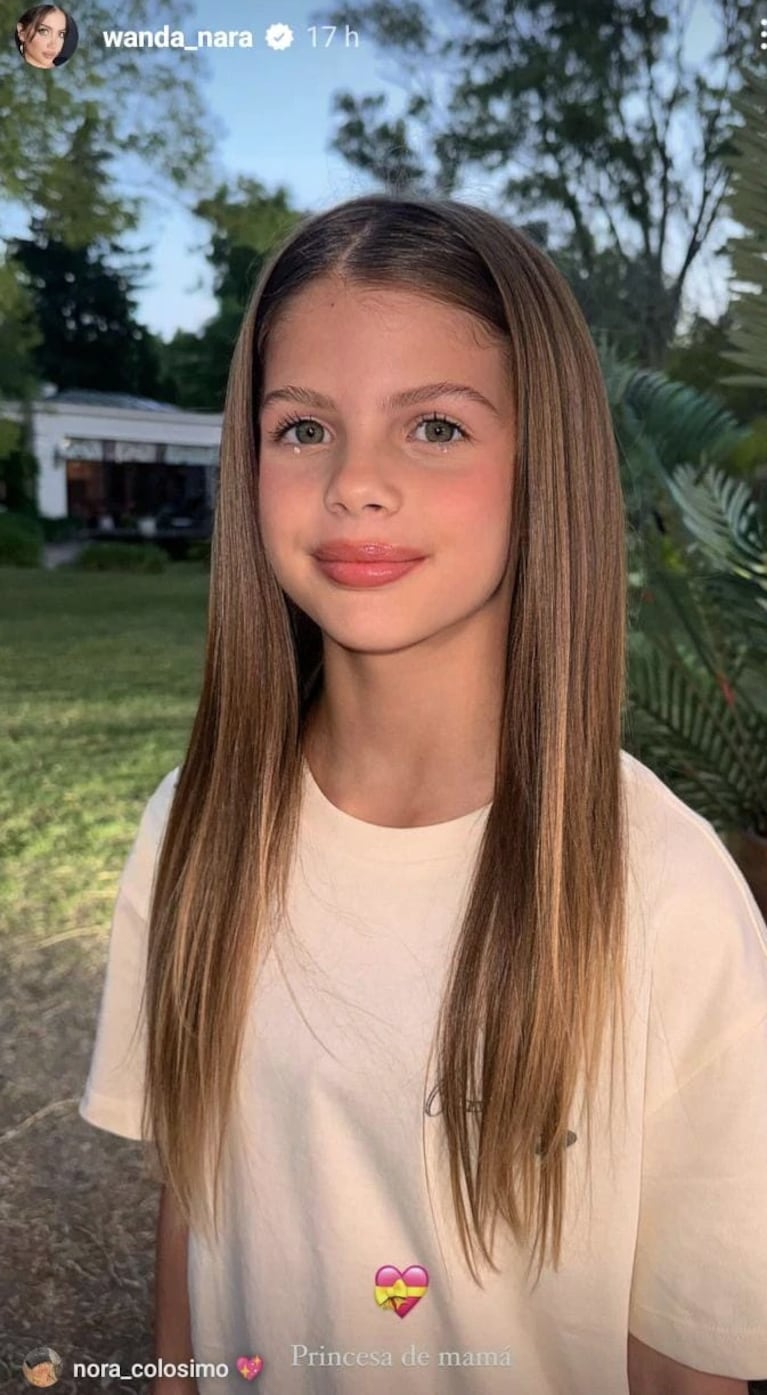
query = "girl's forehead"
x=322 y=305
x=337 y=290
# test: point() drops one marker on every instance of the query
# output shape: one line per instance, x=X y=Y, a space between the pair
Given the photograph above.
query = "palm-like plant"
x=697 y=661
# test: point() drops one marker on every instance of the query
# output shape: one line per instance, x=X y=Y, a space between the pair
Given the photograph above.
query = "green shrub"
x=199 y=552
x=56 y=530
x=21 y=540
x=121 y=557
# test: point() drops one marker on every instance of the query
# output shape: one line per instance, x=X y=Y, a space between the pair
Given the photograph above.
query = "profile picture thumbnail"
x=42 y=1367
x=46 y=36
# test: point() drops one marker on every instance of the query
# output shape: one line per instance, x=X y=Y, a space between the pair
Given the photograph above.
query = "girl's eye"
x=436 y=420
x=279 y=431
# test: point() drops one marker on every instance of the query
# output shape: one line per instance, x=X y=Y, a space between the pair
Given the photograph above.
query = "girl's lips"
x=367 y=573
x=344 y=550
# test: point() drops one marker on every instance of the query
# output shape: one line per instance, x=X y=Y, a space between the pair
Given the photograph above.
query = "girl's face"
x=367 y=471
x=45 y=44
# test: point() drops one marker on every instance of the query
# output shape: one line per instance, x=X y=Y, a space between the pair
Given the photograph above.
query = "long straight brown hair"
x=538 y=966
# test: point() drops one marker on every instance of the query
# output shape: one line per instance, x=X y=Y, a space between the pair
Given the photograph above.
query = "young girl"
x=446 y=1018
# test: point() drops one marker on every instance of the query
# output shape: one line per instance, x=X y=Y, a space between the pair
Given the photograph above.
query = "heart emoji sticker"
x=400 y=1289
x=249 y=1366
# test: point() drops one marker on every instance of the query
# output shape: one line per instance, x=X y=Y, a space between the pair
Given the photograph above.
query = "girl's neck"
x=393 y=797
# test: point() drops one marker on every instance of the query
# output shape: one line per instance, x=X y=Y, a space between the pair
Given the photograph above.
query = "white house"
x=108 y=453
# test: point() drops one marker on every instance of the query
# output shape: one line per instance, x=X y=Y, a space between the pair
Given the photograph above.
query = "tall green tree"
x=78 y=201
x=19 y=334
x=587 y=112
x=245 y=223
x=85 y=310
x=81 y=282
x=19 y=339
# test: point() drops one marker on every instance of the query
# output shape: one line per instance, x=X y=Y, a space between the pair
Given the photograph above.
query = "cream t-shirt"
x=325 y=1162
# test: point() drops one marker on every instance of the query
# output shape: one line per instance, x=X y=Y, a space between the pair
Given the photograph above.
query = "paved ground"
x=58 y=554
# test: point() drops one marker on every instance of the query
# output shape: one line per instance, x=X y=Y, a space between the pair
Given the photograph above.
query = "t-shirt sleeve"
x=699 y=1290
x=114 y=1091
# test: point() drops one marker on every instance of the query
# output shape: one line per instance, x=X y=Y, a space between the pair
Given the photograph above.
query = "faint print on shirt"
x=433 y=1107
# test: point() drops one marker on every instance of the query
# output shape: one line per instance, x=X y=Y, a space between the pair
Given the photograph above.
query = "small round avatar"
x=46 y=36
x=42 y=1367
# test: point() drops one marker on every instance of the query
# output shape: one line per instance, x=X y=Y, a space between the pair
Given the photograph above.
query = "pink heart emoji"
x=400 y=1290
x=249 y=1366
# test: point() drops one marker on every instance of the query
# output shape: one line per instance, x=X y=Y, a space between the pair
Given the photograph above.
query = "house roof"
x=87 y=397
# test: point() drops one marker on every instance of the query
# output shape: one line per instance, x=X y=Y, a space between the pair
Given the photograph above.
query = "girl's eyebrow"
x=408 y=398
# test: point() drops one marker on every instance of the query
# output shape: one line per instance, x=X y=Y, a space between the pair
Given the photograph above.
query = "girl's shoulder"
x=679 y=850
x=705 y=931
x=138 y=871
x=684 y=861
x=158 y=805
x=653 y=804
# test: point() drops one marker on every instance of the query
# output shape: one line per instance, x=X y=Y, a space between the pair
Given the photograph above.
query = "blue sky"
x=275 y=111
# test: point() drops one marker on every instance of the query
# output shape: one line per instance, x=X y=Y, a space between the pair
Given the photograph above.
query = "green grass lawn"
x=98 y=690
